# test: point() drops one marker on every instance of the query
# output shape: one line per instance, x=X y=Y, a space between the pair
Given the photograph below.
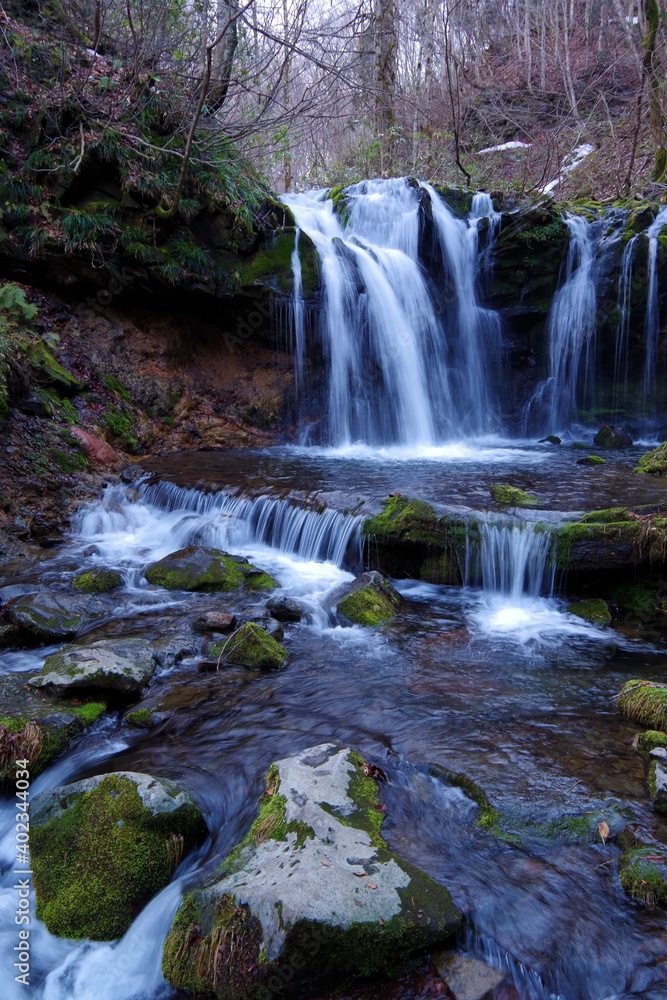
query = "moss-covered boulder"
x=36 y=728
x=97 y=581
x=512 y=496
x=102 y=847
x=369 y=600
x=593 y=610
x=592 y=460
x=49 y=616
x=645 y=702
x=597 y=542
x=643 y=872
x=613 y=438
x=311 y=898
x=198 y=568
x=249 y=646
x=121 y=666
x=654 y=462
x=645 y=742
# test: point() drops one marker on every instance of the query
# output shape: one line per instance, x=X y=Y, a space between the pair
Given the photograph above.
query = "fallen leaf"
x=371 y=886
x=360 y=874
x=603 y=830
x=325 y=863
x=381 y=920
x=357 y=903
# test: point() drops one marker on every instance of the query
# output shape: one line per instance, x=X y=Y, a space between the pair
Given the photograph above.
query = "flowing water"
x=494 y=679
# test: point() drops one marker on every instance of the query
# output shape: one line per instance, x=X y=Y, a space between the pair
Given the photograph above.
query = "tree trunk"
x=653 y=16
x=223 y=54
x=385 y=79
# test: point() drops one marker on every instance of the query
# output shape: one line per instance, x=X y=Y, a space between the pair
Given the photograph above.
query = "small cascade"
x=482 y=208
x=221 y=520
x=298 y=319
x=652 y=315
x=570 y=385
x=405 y=366
x=512 y=559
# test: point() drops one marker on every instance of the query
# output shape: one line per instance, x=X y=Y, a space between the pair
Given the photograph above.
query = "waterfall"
x=298 y=319
x=403 y=364
x=570 y=385
x=652 y=315
x=512 y=559
x=621 y=352
x=223 y=521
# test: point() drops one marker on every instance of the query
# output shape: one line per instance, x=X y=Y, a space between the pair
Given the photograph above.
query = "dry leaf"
x=603 y=830
x=357 y=903
x=381 y=920
x=359 y=874
x=371 y=886
x=325 y=863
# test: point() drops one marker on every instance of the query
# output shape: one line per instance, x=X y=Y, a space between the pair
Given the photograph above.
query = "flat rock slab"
x=124 y=666
x=199 y=568
x=467 y=978
x=50 y=616
x=312 y=892
x=102 y=847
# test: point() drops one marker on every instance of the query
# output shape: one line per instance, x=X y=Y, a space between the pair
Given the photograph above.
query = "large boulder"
x=657 y=778
x=35 y=728
x=198 y=568
x=97 y=580
x=102 y=847
x=285 y=609
x=311 y=898
x=49 y=616
x=613 y=437
x=124 y=666
x=368 y=600
x=248 y=646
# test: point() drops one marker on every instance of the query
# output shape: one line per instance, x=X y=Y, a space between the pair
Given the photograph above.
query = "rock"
x=124 y=666
x=198 y=568
x=466 y=978
x=654 y=462
x=285 y=609
x=10 y=635
x=50 y=616
x=550 y=439
x=102 y=847
x=35 y=406
x=141 y=718
x=613 y=437
x=643 y=872
x=97 y=581
x=593 y=610
x=131 y=474
x=274 y=628
x=249 y=646
x=592 y=460
x=511 y=496
x=36 y=728
x=657 y=779
x=312 y=891
x=98 y=452
x=650 y=740
x=215 y=621
x=645 y=702
x=369 y=600
x=171 y=649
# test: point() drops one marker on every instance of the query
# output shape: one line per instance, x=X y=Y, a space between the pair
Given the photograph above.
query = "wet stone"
x=285 y=609
x=123 y=666
x=215 y=621
x=171 y=649
x=50 y=616
x=467 y=978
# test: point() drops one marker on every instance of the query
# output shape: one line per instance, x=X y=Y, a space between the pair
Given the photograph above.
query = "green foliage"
x=84 y=231
x=593 y=610
x=190 y=256
x=119 y=423
x=114 y=385
x=654 y=462
x=645 y=702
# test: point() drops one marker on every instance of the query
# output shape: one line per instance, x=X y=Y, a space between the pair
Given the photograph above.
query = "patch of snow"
x=514 y=144
x=571 y=162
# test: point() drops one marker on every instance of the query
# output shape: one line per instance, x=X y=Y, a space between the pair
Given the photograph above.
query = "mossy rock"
x=48 y=372
x=198 y=568
x=593 y=610
x=248 y=646
x=311 y=897
x=657 y=779
x=49 y=616
x=610 y=515
x=122 y=666
x=369 y=600
x=140 y=718
x=550 y=439
x=636 y=599
x=97 y=581
x=511 y=496
x=592 y=546
x=36 y=728
x=645 y=702
x=654 y=462
x=643 y=872
x=612 y=438
x=592 y=460
x=645 y=742
x=102 y=847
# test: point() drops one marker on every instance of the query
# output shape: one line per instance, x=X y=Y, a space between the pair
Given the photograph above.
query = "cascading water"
x=513 y=559
x=404 y=365
x=571 y=334
x=621 y=353
x=652 y=315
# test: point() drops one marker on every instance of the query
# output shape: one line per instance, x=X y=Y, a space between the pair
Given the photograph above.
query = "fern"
x=190 y=256
x=83 y=231
x=30 y=239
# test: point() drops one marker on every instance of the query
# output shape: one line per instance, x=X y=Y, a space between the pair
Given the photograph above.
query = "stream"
x=493 y=679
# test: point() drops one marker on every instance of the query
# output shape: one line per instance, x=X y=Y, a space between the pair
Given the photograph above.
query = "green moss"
x=612 y=515
x=654 y=462
x=645 y=702
x=194 y=568
x=645 y=742
x=113 y=385
x=511 y=496
x=368 y=606
x=141 y=718
x=97 y=581
x=638 y=599
x=249 y=646
x=97 y=863
x=643 y=873
x=593 y=460
x=90 y=712
x=571 y=536
x=593 y=610
x=119 y=423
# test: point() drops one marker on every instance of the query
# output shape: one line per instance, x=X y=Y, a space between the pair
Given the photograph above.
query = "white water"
x=571 y=333
x=652 y=315
x=406 y=364
x=621 y=353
